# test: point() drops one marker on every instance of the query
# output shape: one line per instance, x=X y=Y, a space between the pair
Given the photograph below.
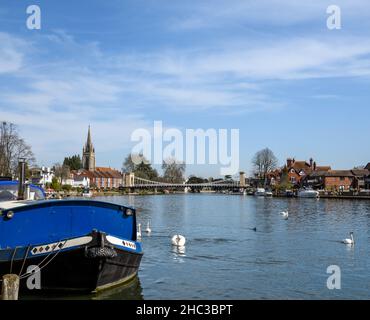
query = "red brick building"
x=295 y=171
x=101 y=178
x=339 y=180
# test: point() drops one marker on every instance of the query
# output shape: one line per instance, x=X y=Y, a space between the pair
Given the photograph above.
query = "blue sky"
x=269 y=68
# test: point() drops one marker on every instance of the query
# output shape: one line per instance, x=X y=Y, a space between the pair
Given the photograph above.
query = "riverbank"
x=166 y=192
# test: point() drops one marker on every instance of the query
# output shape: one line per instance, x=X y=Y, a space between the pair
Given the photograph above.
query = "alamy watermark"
x=195 y=146
x=334 y=21
x=33 y=21
x=33 y=278
x=334 y=282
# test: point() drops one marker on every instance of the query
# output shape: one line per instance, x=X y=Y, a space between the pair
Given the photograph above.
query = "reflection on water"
x=129 y=291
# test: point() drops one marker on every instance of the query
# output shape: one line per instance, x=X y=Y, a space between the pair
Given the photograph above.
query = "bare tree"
x=61 y=172
x=12 y=147
x=173 y=171
x=264 y=162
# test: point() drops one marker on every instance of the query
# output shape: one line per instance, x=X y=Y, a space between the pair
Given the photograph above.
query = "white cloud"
x=11 y=55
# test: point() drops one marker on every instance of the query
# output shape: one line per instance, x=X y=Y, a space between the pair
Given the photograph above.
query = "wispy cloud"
x=216 y=14
x=11 y=53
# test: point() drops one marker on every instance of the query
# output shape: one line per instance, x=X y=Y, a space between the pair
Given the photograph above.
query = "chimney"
x=21 y=178
x=311 y=163
x=289 y=162
x=314 y=166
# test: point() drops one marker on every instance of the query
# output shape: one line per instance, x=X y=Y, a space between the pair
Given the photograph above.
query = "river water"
x=225 y=259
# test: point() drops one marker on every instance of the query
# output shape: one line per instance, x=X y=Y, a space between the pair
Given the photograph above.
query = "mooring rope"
x=11 y=261
x=25 y=275
x=24 y=259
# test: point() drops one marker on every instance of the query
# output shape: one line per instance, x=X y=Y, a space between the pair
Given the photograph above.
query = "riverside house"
x=101 y=177
x=295 y=172
x=339 y=180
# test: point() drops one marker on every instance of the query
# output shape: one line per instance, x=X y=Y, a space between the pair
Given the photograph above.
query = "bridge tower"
x=242 y=179
x=130 y=179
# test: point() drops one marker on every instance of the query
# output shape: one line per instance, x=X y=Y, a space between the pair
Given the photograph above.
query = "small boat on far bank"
x=269 y=194
x=87 y=193
x=260 y=192
x=308 y=193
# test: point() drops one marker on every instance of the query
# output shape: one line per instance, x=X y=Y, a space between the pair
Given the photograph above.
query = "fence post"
x=10 y=287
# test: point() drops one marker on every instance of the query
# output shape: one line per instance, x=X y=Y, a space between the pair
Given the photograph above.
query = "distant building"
x=299 y=170
x=42 y=176
x=80 y=180
x=360 y=176
x=339 y=180
x=92 y=176
x=295 y=172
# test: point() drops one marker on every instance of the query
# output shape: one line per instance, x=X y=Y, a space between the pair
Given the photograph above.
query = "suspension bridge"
x=133 y=182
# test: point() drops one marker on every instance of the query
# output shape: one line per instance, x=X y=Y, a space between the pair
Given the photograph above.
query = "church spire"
x=88 y=143
x=88 y=153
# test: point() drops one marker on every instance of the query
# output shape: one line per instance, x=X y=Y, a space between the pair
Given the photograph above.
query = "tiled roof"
x=333 y=173
x=323 y=168
x=318 y=174
x=109 y=172
x=97 y=173
x=361 y=172
x=299 y=165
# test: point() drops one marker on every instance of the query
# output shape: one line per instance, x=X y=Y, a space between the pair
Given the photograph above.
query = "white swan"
x=178 y=240
x=148 y=228
x=349 y=241
x=285 y=214
x=138 y=232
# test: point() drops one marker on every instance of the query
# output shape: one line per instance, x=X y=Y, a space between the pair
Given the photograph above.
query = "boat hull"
x=86 y=268
x=79 y=245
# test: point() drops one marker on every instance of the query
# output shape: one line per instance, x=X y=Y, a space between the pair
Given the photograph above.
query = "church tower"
x=88 y=154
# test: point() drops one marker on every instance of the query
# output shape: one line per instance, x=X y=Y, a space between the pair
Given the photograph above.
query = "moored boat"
x=269 y=194
x=308 y=193
x=79 y=245
x=260 y=192
x=87 y=193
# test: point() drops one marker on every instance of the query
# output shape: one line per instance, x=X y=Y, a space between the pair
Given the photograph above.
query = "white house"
x=80 y=180
x=42 y=175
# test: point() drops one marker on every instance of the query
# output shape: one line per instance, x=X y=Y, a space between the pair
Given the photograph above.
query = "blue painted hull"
x=78 y=244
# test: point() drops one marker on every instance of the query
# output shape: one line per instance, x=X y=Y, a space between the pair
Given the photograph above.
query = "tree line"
x=173 y=171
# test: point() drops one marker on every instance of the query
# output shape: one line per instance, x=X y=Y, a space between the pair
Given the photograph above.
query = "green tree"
x=55 y=185
x=139 y=165
x=74 y=162
x=194 y=179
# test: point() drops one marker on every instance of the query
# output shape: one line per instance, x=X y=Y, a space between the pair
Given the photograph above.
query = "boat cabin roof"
x=12 y=204
x=9 y=191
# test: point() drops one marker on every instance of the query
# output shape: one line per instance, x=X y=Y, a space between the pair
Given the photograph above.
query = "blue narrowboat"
x=82 y=245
